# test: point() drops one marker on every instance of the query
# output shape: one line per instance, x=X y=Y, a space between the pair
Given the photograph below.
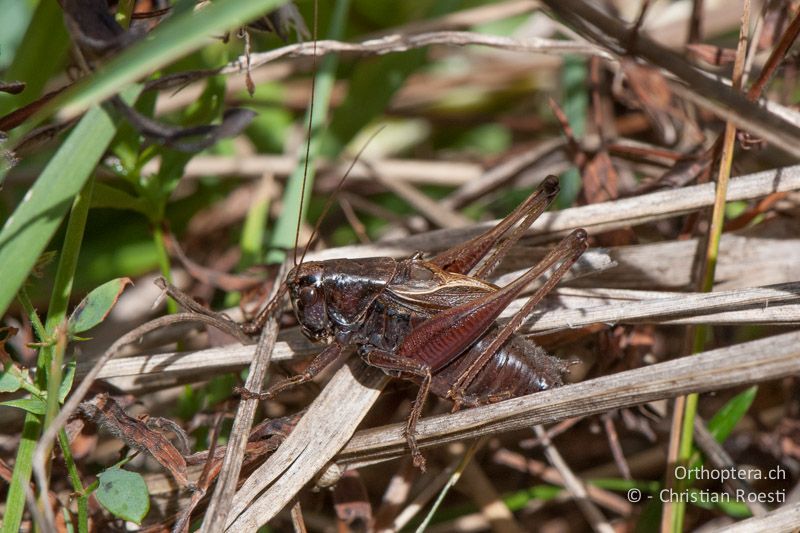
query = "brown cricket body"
x=434 y=321
x=333 y=300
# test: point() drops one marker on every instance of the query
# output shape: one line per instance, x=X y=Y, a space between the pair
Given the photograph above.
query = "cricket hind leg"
x=566 y=252
x=440 y=386
x=463 y=258
x=412 y=370
x=520 y=367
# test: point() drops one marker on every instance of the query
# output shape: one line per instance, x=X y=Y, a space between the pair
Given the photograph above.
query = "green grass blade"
x=283 y=236
x=722 y=423
x=15 y=500
x=39 y=55
x=574 y=78
x=29 y=229
x=172 y=40
x=177 y=37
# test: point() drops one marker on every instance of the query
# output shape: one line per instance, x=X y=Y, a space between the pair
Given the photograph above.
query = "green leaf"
x=574 y=78
x=28 y=230
x=41 y=52
x=66 y=382
x=95 y=307
x=34 y=406
x=722 y=424
x=15 y=500
x=9 y=382
x=106 y=196
x=124 y=494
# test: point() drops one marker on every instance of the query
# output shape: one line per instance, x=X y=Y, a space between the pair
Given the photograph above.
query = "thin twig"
x=402 y=42
x=616 y=447
x=218 y=507
x=297 y=518
x=746 y=363
x=574 y=485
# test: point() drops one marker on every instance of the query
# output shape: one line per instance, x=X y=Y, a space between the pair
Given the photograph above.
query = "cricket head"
x=307 y=294
x=333 y=297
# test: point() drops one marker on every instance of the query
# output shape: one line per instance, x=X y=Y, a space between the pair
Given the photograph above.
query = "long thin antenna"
x=308 y=133
x=333 y=196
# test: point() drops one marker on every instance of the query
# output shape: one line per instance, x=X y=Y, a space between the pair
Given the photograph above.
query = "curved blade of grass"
x=29 y=229
x=674 y=513
x=170 y=41
x=722 y=423
x=175 y=38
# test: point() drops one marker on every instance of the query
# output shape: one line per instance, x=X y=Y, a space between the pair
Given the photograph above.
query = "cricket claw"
x=456 y=405
x=419 y=461
x=416 y=455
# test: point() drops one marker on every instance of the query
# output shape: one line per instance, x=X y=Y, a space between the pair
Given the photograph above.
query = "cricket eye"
x=308 y=296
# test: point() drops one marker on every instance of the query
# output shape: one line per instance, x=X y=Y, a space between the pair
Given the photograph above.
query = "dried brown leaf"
x=106 y=413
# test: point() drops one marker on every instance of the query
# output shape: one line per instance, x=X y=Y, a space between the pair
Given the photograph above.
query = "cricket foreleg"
x=258 y=323
x=407 y=368
x=325 y=357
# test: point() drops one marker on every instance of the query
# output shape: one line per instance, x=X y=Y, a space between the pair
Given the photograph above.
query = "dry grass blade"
x=569 y=308
x=217 y=511
x=768 y=253
x=782 y=520
x=402 y=43
x=595 y=217
x=696 y=85
x=330 y=421
x=693 y=304
x=746 y=363
x=448 y=173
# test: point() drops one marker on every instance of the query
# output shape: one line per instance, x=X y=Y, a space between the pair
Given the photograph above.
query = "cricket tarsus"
x=430 y=321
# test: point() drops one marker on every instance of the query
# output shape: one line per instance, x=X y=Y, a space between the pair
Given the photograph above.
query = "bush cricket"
x=432 y=321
